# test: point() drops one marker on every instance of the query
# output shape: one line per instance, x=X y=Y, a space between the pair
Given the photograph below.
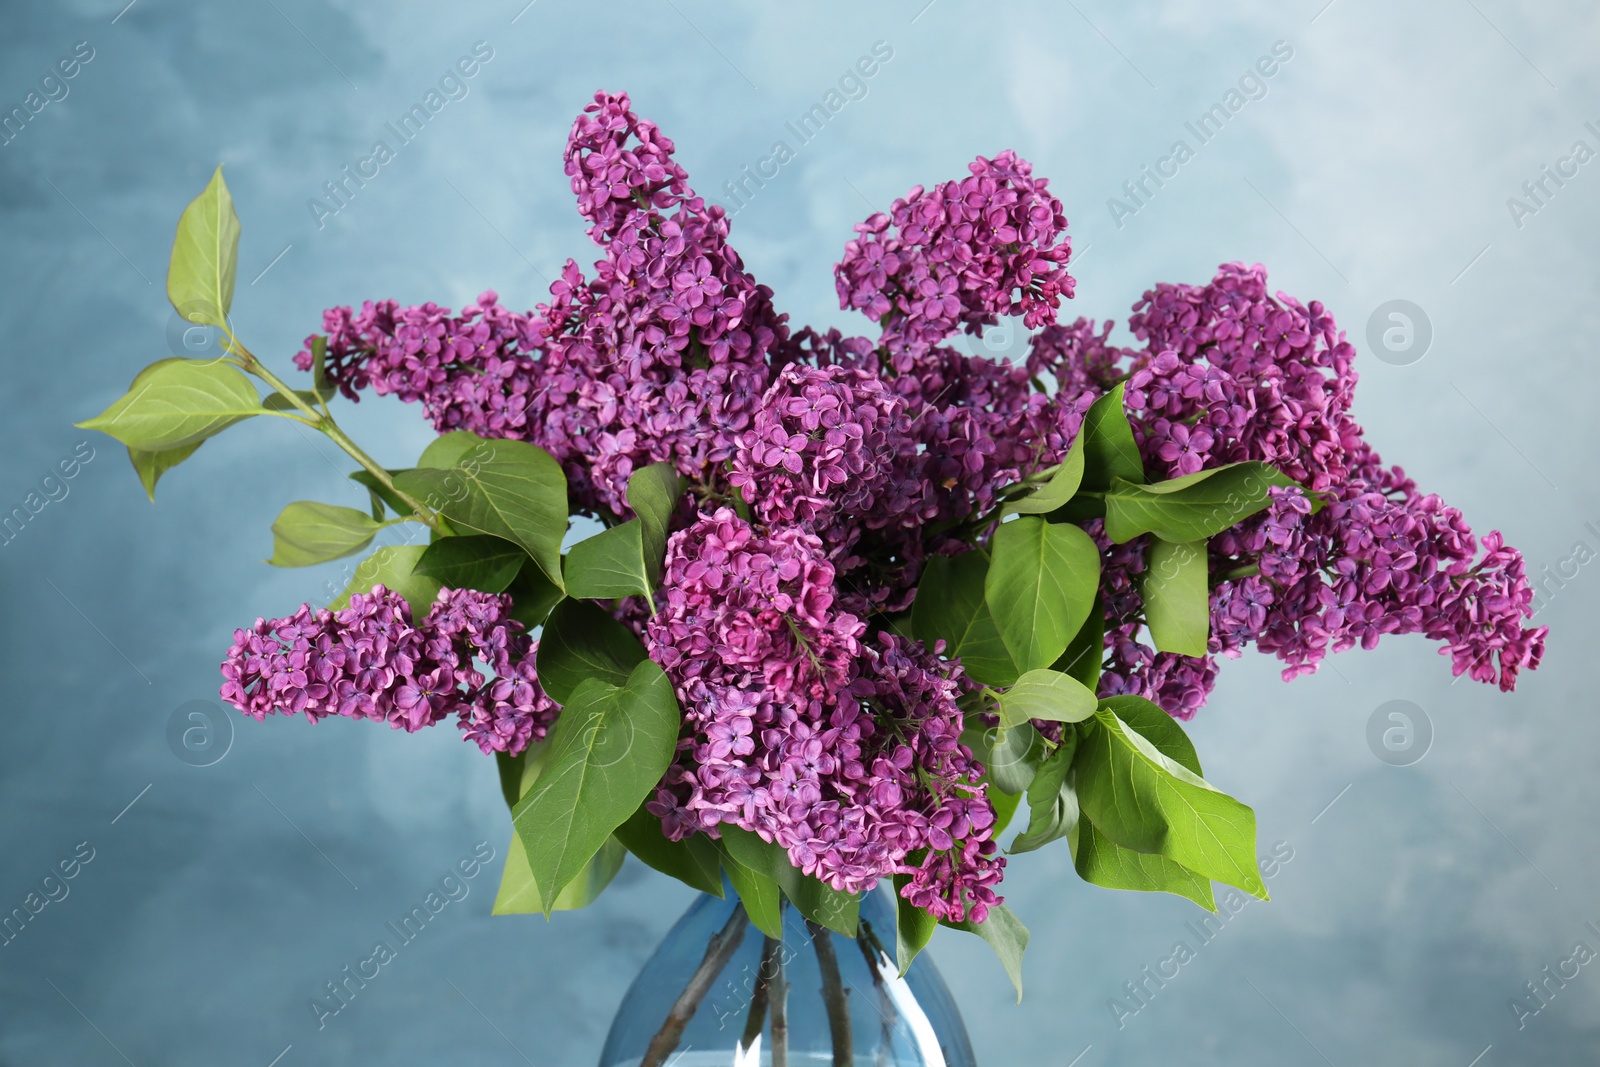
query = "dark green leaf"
x=319 y=368
x=913 y=927
x=1192 y=508
x=1109 y=448
x=1157 y=727
x=509 y=489
x=476 y=561
x=1101 y=861
x=510 y=768
x=812 y=898
x=950 y=606
x=1061 y=487
x=758 y=892
x=581 y=641
x=1145 y=801
x=1052 y=802
x=692 y=861
x=608 y=565
x=1042 y=581
x=1005 y=806
x=383 y=492
x=1045 y=694
x=1086 y=651
x=393 y=566
x=1177 y=596
x=150 y=466
x=310 y=397
x=1010 y=758
x=653 y=493
x=532 y=595
x=307 y=532
x=178 y=402
x=1006 y=935
x=608 y=750
x=519 y=891
x=205 y=255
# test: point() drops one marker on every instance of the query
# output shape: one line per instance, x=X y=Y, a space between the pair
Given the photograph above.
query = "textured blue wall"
x=1374 y=164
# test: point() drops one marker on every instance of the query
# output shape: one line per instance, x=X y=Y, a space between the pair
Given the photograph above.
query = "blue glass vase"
x=720 y=993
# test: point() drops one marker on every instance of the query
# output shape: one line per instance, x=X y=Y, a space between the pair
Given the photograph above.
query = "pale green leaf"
x=1176 y=593
x=308 y=532
x=205 y=255
x=178 y=402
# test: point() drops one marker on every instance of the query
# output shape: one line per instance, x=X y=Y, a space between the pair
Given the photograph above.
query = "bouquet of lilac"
x=852 y=598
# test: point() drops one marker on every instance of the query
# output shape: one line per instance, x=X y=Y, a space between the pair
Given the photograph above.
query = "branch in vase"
x=834 y=996
x=719 y=950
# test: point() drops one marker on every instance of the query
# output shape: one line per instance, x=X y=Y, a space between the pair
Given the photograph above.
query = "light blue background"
x=1376 y=167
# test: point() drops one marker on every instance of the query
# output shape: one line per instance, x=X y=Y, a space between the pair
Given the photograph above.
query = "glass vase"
x=720 y=993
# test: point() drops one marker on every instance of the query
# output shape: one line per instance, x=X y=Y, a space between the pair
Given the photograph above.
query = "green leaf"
x=1046 y=694
x=608 y=750
x=1192 y=508
x=1150 y=722
x=609 y=565
x=150 y=466
x=758 y=892
x=913 y=927
x=580 y=642
x=307 y=532
x=692 y=861
x=519 y=892
x=311 y=397
x=533 y=596
x=1101 y=861
x=509 y=489
x=319 y=368
x=474 y=561
x=205 y=254
x=383 y=492
x=448 y=450
x=1145 y=801
x=1061 y=487
x=1010 y=758
x=1042 y=581
x=178 y=402
x=812 y=898
x=1177 y=596
x=653 y=493
x=1006 y=935
x=1110 y=451
x=510 y=768
x=950 y=606
x=1086 y=651
x=1052 y=801
x=1005 y=806
x=393 y=566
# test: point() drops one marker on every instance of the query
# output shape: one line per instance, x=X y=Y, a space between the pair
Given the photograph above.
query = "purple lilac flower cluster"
x=1231 y=373
x=845 y=751
x=370 y=661
x=805 y=719
x=961 y=255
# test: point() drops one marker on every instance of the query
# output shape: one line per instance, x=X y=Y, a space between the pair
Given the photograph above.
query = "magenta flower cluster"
x=807 y=720
x=843 y=749
x=370 y=661
x=1231 y=373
